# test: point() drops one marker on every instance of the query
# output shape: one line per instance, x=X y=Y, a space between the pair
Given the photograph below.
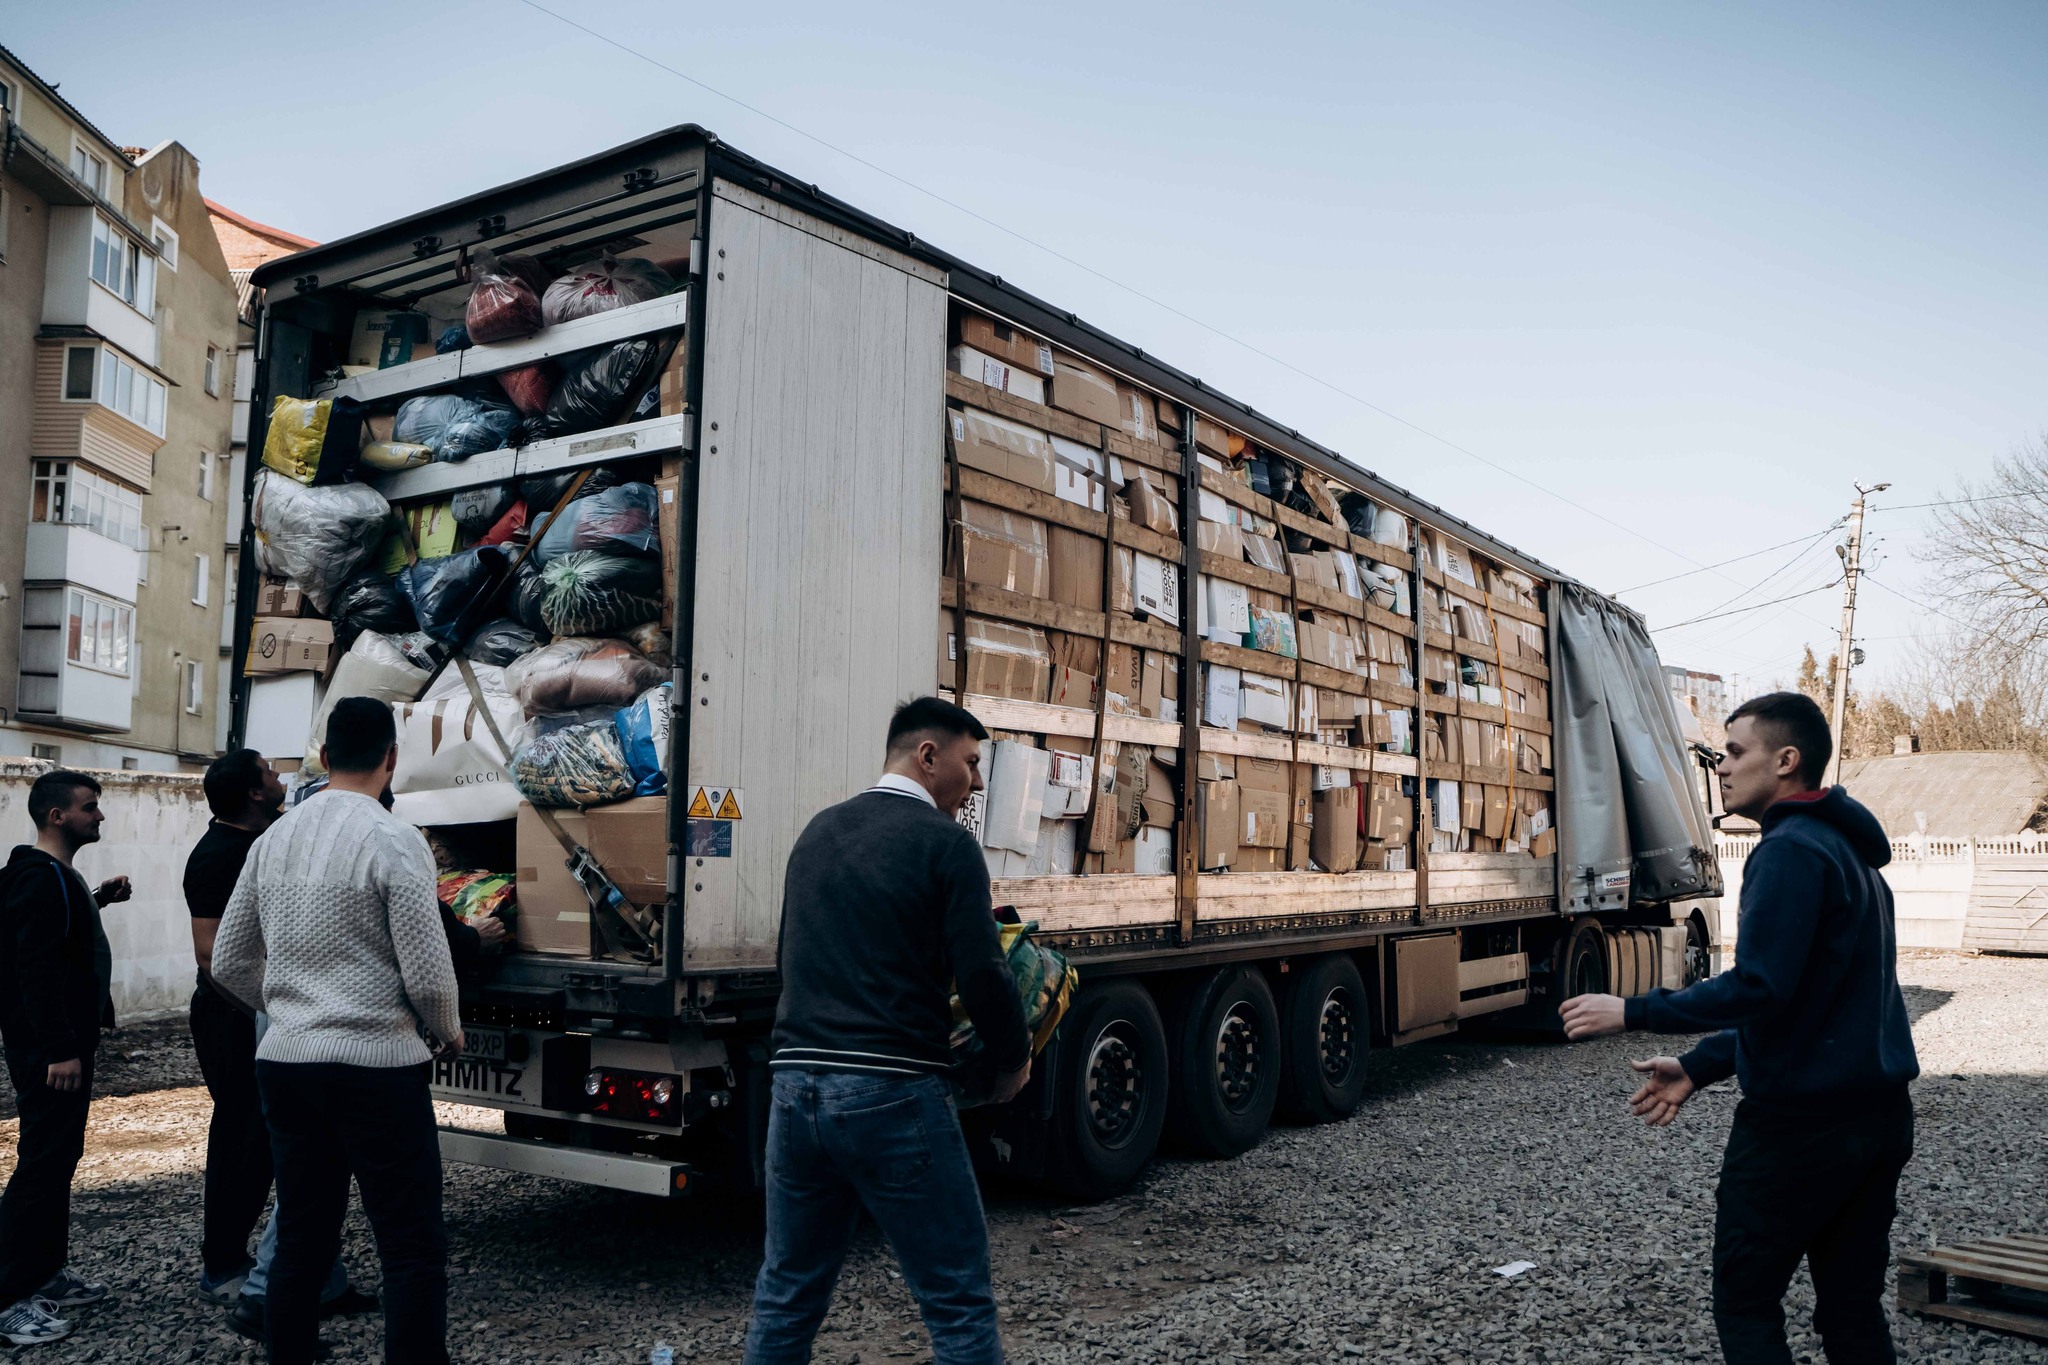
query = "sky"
x=1634 y=288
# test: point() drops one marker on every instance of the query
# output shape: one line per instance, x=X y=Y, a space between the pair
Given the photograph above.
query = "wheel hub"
x=1237 y=1058
x=1116 y=1085
x=1334 y=1037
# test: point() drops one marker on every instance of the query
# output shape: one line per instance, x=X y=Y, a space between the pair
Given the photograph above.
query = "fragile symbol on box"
x=715 y=803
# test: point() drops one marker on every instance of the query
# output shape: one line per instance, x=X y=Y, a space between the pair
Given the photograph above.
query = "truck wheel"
x=1110 y=1094
x=1226 y=1064
x=1326 y=1026
x=1581 y=963
x=1699 y=953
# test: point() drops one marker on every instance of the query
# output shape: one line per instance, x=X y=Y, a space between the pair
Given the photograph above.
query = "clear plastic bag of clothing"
x=617 y=521
x=607 y=283
x=573 y=673
x=453 y=426
x=504 y=298
x=315 y=538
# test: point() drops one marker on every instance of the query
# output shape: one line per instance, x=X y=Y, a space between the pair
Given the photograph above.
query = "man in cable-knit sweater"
x=334 y=930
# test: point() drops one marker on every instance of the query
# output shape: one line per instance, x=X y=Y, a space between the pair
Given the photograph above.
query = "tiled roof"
x=1961 y=795
x=247 y=243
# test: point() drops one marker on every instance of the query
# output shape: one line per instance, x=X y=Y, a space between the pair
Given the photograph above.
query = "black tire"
x=1699 y=951
x=1326 y=1029
x=1226 y=1063
x=1581 y=964
x=1110 y=1091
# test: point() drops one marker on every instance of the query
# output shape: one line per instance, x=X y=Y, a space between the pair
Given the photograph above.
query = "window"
x=202 y=567
x=76 y=496
x=213 y=371
x=206 y=466
x=123 y=266
x=130 y=763
x=195 y=688
x=90 y=169
x=107 y=378
x=78 y=368
x=49 y=753
x=166 y=242
x=98 y=633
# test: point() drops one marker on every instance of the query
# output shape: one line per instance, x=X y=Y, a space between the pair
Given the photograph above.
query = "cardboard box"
x=1136 y=413
x=380 y=424
x=1085 y=391
x=288 y=644
x=383 y=337
x=1058 y=853
x=1265 y=817
x=1260 y=860
x=1220 y=538
x=1152 y=852
x=1495 y=825
x=1150 y=509
x=996 y=445
x=669 y=519
x=1299 y=839
x=1265 y=552
x=1015 y=380
x=1155 y=588
x=1319 y=568
x=1006 y=343
x=1070 y=776
x=1159 y=687
x=1265 y=701
x=279 y=599
x=1211 y=767
x=1125 y=679
x=1005 y=550
x=1333 y=840
x=1072 y=688
x=1079 y=474
x=673 y=385
x=1015 y=800
x=1003 y=660
x=1082 y=653
x=1544 y=844
x=1160 y=802
x=553 y=914
x=1212 y=438
x=1075 y=567
x=1219 y=813
x=1222 y=696
x=1229 y=609
x=281 y=710
x=1472 y=805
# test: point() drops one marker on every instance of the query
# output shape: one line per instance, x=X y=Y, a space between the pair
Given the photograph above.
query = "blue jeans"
x=838 y=1143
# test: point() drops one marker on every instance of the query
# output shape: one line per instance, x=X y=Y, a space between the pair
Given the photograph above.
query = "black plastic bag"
x=617 y=521
x=371 y=602
x=453 y=426
x=500 y=642
x=599 y=387
x=1358 y=513
x=452 y=596
x=522 y=601
x=543 y=491
x=588 y=593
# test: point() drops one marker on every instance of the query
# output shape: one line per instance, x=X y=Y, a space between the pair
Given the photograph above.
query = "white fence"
x=1934 y=883
x=153 y=820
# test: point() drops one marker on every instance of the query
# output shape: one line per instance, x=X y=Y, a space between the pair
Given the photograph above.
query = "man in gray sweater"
x=334 y=930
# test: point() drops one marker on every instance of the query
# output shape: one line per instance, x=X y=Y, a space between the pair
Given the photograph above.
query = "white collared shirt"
x=898 y=785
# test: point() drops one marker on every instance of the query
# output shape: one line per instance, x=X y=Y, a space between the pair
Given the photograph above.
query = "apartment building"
x=117 y=346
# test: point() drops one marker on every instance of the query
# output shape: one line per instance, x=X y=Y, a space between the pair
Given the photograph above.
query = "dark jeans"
x=237 y=1143
x=327 y=1122
x=35 y=1212
x=1818 y=1181
x=838 y=1143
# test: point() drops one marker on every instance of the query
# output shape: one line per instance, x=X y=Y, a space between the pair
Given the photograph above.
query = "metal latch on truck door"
x=610 y=908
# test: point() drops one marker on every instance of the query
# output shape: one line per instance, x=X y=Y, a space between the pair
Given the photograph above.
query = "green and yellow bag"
x=314 y=440
x=1046 y=982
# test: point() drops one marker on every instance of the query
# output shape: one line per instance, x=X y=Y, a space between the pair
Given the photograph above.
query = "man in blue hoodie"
x=1812 y=1022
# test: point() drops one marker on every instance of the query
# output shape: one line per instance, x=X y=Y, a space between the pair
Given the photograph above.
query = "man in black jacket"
x=1812 y=1021
x=54 y=1000
x=885 y=907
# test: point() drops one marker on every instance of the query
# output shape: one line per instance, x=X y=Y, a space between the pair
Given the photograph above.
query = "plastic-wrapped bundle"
x=579 y=672
x=581 y=765
x=423 y=649
x=643 y=737
x=505 y=300
x=372 y=602
x=454 y=338
x=315 y=538
x=523 y=601
x=476 y=510
x=1045 y=983
x=475 y=895
x=599 y=387
x=388 y=457
x=618 y=521
x=454 y=427
x=543 y=491
x=314 y=440
x=375 y=666
x=527 y=388
x=650 y=639
x=588 y=593
x=602 y=286
x=499 y=642
x=450 y=595
x=506 y=527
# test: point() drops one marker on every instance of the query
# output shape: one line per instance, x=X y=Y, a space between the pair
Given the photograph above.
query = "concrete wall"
x=153 y=820
x=1931 y=882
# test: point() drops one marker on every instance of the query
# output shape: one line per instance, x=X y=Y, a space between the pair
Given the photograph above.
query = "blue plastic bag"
x=454 y=427
x=643 y=734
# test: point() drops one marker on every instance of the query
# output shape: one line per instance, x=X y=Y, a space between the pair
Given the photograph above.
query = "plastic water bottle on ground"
x=664 y=1354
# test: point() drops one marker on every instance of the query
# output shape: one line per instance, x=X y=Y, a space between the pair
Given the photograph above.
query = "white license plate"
x=481 y=1075
x=487 y=1043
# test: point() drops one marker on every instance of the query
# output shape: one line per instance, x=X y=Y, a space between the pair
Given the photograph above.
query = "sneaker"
x=224 y=1290
x=246 y=1318
x=69 y=1289
x=28 y=1323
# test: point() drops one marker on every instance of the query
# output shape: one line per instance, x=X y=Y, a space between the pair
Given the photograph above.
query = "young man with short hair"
x=885 y=906
x=334 y=926
x=55 y=975
x=1812 y=1020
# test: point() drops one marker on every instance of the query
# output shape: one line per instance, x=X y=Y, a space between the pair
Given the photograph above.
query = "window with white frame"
x=166 y=242
x=98 y=632
x=96 y=374
x=123 y=266
x=206 y=468
x=72 y=495
x=213 y=371
x=91 y=170
x=202 y=568
x=195 y=688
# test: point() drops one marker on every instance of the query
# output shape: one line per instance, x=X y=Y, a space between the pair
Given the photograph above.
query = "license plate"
x=487 y=1043
x=481 y=1075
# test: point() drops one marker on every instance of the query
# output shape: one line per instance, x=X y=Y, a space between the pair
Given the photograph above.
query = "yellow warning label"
x=729 y=808
x=700 y=805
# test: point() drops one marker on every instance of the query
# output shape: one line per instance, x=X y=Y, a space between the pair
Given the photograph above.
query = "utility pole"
x=1851 y=552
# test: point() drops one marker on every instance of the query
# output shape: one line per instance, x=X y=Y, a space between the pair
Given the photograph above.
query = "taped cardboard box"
x=1214 y=767
x=1495 y=825
x=1265 y=818
x=1222 y=696
x=1100 y=833
x=1152 y=852
x=996 y=445
x=1159 y=687
x=1155 y=588
x=673 y=385
x=1219 y=813
x=289 y=644
x=1015 y=800
x=553 y=913
x=1265 y=701
x=1016 y=380
x=274 y=598
x=1136 y=413
x=1082 y=653
x=1080 y=473
x=1221 y=539
x=1006 y=343
x=1319 y=568
x=1265 y=552
x=1071 y=688
x=1076 y=567
x=1150 y=509
x=1005 y=550
x=1472 y=805
x=1069 y=777
x=1125 y=679
x=1003 y=660
x=1085 y=391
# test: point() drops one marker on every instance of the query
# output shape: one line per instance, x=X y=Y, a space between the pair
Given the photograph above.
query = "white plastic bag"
x=373 y=667
x=315 y=538
x=602 y=286
x=450 y=770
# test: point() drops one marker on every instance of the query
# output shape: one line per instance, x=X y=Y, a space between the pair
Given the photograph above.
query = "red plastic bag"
x=529 y=387
x=504 y=302
x=508 y=526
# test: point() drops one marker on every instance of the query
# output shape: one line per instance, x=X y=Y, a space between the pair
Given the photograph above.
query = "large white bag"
x=373 y=667
x=450 y=770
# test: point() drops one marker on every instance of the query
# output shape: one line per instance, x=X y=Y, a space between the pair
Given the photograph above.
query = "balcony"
x=58 y=553
x=56 y=691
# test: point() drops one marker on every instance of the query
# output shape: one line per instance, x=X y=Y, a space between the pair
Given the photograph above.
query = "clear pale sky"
x=1697 y=268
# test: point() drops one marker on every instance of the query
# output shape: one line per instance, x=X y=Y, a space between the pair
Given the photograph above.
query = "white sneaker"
x=29 y=1323
x=69 y=1289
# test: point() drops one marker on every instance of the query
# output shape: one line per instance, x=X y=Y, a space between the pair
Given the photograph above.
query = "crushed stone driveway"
x=1374 y=1239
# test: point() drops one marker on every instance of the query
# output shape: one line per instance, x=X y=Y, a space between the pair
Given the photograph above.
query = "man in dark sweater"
x=1813 y=1024
x=55 y=971
x=885 y=913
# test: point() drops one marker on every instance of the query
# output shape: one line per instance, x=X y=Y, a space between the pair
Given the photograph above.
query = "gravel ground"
x=1374 y=1238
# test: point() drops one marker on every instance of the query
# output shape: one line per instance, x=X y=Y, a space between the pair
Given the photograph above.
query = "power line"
x=1954 y=502
x=1111 y=280
x=1804 y=550
x=1705 y=568
x=1754 y=606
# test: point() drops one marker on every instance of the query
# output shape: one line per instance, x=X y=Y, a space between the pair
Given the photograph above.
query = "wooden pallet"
x=1999 y=1282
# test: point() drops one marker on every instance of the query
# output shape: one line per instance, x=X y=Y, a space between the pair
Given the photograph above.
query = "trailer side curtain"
x=1631 y=829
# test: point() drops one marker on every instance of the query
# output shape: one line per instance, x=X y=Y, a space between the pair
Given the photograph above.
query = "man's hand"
x=1656 y=1102
x=1592 y=1016
x=450 y=1050
x=113 y=891
x=65 y=1076
x=491 y=933
x=1010 y=1086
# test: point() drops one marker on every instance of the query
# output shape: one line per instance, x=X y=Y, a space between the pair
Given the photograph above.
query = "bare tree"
x=1990 y=550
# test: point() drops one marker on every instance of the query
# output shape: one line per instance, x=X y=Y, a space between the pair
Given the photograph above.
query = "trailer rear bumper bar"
x=529 y=1156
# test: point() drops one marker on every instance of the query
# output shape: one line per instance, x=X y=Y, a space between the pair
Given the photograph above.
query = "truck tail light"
x=637 y=1096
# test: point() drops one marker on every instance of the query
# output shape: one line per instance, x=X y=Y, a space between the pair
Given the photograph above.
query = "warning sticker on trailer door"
x=715 y=803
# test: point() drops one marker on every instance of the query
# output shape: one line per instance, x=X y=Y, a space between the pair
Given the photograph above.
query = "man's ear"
x=1789 y=761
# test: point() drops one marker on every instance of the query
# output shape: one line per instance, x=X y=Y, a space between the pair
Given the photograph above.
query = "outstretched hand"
x=1593 y=1016
x=1665 y=1088
x=113 y=891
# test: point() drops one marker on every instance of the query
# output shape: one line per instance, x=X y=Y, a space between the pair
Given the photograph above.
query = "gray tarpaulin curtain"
x=1631 y=828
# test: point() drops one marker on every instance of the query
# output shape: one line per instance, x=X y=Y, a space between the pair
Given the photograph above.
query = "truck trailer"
x=1289 y=762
